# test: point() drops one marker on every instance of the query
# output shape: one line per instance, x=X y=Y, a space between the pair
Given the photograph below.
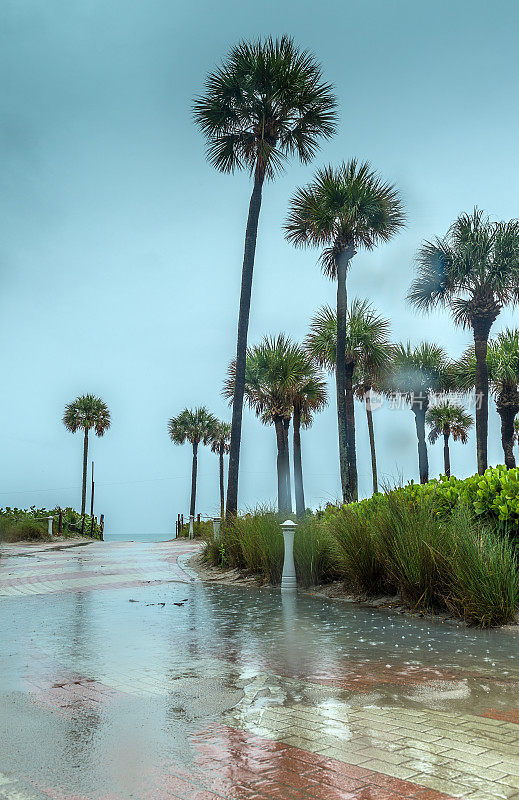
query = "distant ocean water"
x=138 y=537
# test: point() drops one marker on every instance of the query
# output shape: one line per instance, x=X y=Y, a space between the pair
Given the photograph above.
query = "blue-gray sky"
x=121 y=251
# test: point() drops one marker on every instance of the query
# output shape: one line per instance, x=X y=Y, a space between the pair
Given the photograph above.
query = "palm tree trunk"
x=481 y=333
x=286 y=466
x=222 y=491
x=340 y=372
x=371 y=432
x=85 y=468
x=350 y=434
x=507 y=414
x=241 y=346
x=193 y=479
x=282 y=484
x=446 y=452
x=419 y=408
x=298 y=466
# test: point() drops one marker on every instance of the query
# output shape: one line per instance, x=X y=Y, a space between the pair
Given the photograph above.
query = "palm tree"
x=502 y=363
x=195 y=426
x=516 y=431
x=274 y=370
x=266 y=102
x=220 y=446
x=368 y=354
x=448 y=419
x=474 y=270
x=342 y=210
x=85 y=413
x=417 y=374
x=308 y=396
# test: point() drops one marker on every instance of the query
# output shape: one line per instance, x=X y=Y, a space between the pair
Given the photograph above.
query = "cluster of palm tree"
x=198 y=426
x=266 y=102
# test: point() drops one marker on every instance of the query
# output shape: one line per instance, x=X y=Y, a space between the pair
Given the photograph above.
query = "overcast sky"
x=121 y=250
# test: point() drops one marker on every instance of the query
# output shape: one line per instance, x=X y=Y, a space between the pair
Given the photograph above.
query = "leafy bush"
x=492 y=497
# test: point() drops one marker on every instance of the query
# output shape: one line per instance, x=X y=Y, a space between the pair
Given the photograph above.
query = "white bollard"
x=288 y=579
x=216 y=529
x=191 y=523
x=50 y=526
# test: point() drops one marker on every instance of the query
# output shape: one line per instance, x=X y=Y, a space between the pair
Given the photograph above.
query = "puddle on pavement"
x=178 y=667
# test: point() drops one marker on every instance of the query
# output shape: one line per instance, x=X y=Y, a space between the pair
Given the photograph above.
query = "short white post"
x=191 y=523
x=288 y=579
x=50 y=526
x=216 y=529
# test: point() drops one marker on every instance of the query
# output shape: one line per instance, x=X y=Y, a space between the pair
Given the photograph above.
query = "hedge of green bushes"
x=31 y=524
x=449 y=545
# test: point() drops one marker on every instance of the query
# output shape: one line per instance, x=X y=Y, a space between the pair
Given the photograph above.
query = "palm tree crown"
x=221 y=437
x=449 y=418
x=418 y=371
x=87 y=412
x=267 y=101
x=474 y=269
x=348 y=206
x=273 y=369
x=192 y=425
x=367 y=339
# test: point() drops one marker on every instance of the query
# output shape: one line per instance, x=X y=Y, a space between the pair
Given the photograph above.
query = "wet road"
x=123 y=677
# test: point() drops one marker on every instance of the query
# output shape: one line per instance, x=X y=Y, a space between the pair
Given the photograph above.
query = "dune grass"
x=389 y=544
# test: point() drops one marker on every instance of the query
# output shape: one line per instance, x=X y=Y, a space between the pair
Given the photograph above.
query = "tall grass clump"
x=484 y=585
x=412 y=545
x=355 y=534
x=254 y=542
x=438 y=546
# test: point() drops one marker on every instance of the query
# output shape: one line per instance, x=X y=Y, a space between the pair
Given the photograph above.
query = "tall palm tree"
x=473 y=270
x=417 y=375
x=274 y=368
x=195 y=426
x=308 y=396
x=503 y=375
x=266 y=102
x=368 y=354
x=448 y=419
x=220 y=445
x=341 y=210
x=86 y=413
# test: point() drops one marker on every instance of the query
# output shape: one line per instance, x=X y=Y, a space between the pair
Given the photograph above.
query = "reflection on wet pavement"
x=159 y=686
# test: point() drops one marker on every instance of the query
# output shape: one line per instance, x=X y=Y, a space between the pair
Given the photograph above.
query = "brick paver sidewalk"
x=349 y=730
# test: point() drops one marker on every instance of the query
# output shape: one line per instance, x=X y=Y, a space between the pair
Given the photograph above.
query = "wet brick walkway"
x=159 y=687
